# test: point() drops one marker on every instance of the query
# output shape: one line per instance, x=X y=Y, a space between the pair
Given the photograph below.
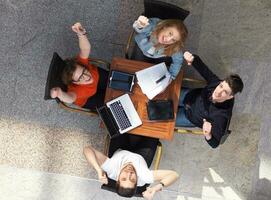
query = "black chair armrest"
x=100 y=63
x=129 y=44
x=74 y=108
x=224 y=137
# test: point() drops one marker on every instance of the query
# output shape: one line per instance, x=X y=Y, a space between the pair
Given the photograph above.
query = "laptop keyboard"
x=120 y=115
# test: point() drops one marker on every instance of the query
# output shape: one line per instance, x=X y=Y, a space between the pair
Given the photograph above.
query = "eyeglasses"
x=81 y=77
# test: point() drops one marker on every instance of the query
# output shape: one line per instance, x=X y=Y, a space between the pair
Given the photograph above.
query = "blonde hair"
x=170 y=49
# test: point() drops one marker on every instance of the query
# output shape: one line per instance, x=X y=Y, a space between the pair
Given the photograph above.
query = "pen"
x=160 y=79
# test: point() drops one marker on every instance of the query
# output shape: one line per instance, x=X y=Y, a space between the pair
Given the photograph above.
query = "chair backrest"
x=54 y=75
x=111 y=186
x=162 y=10
x=227 y=132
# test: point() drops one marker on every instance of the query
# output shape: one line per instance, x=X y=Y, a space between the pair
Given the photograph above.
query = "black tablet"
x=160 y=110
x=121 y=80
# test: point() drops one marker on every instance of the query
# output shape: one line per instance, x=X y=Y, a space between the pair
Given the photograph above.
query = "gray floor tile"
x=102 y=21
x=39 y=185
x=251 y=98
x=232 y=36
x=221 y=171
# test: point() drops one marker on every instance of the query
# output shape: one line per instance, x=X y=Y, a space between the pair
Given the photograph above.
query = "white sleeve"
x=144 y=174
x=110 y=167
x=148 y=176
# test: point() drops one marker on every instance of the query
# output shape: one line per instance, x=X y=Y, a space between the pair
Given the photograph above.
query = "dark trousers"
x=98 y=99
x=144 y=146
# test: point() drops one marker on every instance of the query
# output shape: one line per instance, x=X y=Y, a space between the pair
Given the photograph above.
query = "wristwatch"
x=163 y=185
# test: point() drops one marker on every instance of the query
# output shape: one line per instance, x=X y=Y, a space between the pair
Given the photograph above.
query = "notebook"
x=119 y=115
x=153 y=80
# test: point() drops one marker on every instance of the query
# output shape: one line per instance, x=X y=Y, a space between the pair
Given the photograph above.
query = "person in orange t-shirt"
x=86 y=83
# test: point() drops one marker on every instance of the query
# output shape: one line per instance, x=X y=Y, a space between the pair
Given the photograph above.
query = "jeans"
x=181 y=119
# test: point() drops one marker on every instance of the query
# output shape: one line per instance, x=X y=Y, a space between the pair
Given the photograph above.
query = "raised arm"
x=84 y=44
x=165 y=178
x=96 y=159
x=201 y=67
x=175 y=67
x=67 y=97
x=145 y=25
x=213 y=131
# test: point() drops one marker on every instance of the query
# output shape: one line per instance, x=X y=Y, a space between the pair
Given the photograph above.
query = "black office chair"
x=54 y=80
x=159 y=9
x=198 y=131
x=227 y=132
x=109 y=150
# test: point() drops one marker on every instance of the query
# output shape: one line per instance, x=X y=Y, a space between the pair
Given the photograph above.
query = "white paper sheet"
x=147 y=79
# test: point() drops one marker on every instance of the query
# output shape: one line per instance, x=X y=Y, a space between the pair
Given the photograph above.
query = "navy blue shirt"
x=202 y=107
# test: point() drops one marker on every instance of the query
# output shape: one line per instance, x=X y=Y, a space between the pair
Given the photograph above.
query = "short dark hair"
x=235 y=83
x=125 y=192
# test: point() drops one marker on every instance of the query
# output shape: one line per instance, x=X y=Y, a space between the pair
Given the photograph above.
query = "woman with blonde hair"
x=161 y=40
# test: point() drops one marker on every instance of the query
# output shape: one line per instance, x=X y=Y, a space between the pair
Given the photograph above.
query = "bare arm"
x=96 y=159
x=165 y=178
x=67 y=97
x=84 y=44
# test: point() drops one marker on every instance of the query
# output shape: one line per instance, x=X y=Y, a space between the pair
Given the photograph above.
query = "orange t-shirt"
x=83 y=92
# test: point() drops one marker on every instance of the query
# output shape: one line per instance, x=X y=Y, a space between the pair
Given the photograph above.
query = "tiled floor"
x=31 y=184
x=41 y=145
x=203 y=171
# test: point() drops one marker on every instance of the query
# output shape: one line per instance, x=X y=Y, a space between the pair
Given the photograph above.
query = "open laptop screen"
x=108 y=121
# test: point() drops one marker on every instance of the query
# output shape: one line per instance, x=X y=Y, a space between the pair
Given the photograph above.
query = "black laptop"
x=108 y=120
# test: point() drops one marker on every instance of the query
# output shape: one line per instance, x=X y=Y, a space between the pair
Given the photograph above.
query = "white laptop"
x=123 y=112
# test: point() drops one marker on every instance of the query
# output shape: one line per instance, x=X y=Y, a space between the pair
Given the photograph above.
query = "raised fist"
x=188 y=57
x=78 y=28
x=142 y=21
